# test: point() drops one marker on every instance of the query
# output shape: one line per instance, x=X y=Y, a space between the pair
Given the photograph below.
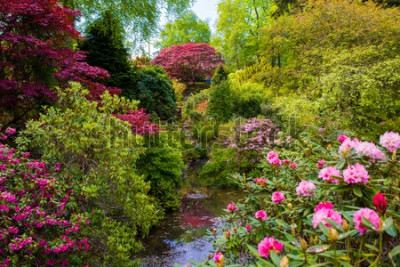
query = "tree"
x=155 y=92
x=105 y=49
x=189 y=62
x=187 y=29
x=238 y=29
x=139 y=18
x=36 y=56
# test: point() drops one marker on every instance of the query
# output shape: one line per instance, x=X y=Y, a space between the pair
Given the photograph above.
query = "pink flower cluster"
x=391 y=141
x=260 y=181
x=356 y=174
x=277 y=197
x=323 y=211
x=267 y=245
x=35 y=215
x=327 y=174
x=368 y=149
x=305 y=188
x=231 y=207
x=368 y=214
x=261 y=215
x=273 y=158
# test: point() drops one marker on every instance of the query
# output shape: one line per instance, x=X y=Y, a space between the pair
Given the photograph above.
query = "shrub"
x=40 y=221
x=179 y=89
x=155 y=92
x=221 y=102
x=188 y=62
x=317 y=205
x=162 y=166
x=101 y=154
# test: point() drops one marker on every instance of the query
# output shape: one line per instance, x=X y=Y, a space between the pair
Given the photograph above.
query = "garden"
x=271 y=138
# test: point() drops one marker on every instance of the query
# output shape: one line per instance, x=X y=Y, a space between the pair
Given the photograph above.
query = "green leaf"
x=357 y=191
x=253 y=250
x=367 y=223
x=317 y=249
x=334 y=224
x=275 y=259
x=346 y=234
x=395 y=251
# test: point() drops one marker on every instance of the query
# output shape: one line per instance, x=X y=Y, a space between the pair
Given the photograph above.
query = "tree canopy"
x=186 y=29
x=140 y=18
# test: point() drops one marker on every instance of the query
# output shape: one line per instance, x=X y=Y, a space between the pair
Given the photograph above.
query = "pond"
x=182 y=235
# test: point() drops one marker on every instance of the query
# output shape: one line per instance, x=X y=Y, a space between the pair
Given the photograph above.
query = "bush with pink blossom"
x=39 y=224
x=340 y=207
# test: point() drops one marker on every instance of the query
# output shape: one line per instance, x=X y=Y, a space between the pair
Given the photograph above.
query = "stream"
x=181 y=236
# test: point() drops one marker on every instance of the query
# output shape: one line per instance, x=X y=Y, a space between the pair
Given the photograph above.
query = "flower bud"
x=345 y=225
x=303 y=244
x=311 y=240
x=290 y=205
x=284 y=262
x=214 y=231
x=380 y=203
x=333 y=235
x=316 y=239
x=227 y=234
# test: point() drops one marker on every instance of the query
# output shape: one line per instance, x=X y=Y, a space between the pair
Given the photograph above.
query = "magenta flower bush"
x=338 y=207
x=38 y=225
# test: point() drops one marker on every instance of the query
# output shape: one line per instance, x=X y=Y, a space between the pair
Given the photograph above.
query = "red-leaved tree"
x=36 y=39
x=189 y=62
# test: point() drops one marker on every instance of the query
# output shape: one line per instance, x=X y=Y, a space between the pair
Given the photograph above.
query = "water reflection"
x=181 y=236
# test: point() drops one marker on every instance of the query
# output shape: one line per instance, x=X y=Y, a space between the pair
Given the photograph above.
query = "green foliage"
x=139 y=18
x=105 y=47
x=220 y=105
x=191 y=105
x=220 y=75
x=317 y=227
x=248 y=98
x=238 y=30
x=186 y=29
x=155 y=92
x=162 y=166
x=100 y=153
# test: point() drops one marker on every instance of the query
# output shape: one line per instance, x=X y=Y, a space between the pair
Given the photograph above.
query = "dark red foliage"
x=139 y=121
x=189 y=62
x=36 y=37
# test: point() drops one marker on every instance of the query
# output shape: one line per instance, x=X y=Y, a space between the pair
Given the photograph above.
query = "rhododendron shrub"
x=100 y=153
x=339 y=207
x=39 y=222
x=189 y=62
x=35 y=55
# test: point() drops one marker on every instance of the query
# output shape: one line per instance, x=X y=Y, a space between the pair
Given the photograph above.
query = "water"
x=181 y=236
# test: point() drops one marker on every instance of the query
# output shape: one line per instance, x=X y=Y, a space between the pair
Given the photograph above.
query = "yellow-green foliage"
x=179 y=89
x=100 y=153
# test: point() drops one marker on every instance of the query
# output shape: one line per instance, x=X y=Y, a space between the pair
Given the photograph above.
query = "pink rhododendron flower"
x=327 y=173
x=305 y=188
x=273 y=158
x=391 y=141
x=231 y=207
x=321 y=163
x=218 y=257
x=370 y=150
x=248 y=228
x=323 y=205
x=260 y=181
x=261 y=215
x=267 y=245
x=368 y=214
x=347 y=145
x=10 y=131
x=286 y=161
x=293 y=165
x=277 y=197
x=355 y=174
x=342 y=138
x=380 y=202
x=323 y=211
